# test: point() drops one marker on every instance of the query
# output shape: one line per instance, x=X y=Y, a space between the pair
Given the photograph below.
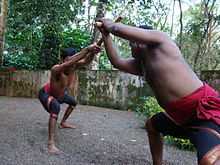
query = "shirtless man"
x=55 y=93
x=192 y=108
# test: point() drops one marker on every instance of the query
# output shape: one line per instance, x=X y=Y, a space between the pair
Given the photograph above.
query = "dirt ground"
x=102 y=137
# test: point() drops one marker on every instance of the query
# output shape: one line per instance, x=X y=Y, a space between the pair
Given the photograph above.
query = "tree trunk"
x=4 y=11
x=181 y=24
x=171 y=29
x=101 y=10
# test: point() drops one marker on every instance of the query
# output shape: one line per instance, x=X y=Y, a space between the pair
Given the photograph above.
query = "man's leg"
x=70 y=100
x=67 y=113
x=54 y=107
x=51 y=134
x=205 y=135
x=212 y=157
x=156 y=143
x=157 y=125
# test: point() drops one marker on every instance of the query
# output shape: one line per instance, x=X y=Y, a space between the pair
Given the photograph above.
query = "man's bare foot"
x=52 y=149
x=67 y=125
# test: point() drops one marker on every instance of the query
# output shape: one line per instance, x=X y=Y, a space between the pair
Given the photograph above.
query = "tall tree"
x=206 y=22
x=3 y=15
x=201 y=36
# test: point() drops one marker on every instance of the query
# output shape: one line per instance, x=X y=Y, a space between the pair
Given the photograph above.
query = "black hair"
x=67 y=52
x=146 y=27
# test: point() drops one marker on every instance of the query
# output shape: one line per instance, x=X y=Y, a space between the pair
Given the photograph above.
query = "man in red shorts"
x=192 y=108
x=55 y=93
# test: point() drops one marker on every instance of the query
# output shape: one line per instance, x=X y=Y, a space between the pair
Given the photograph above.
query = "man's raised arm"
x=127 y=65
x=76 y=58
x=132 y=33
x=89 y=57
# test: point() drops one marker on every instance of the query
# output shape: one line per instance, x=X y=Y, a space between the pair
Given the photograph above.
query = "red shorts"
x=203 y=103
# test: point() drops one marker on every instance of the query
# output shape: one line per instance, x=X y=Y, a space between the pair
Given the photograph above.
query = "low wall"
x=110 y=88
x=22 y=83
x=113 y=89
x=101 y=88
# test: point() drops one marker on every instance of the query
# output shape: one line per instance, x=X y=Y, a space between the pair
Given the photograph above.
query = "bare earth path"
x=103 y=137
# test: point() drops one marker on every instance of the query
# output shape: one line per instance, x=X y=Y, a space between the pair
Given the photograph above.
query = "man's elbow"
x=116 y=65
x=56 y=68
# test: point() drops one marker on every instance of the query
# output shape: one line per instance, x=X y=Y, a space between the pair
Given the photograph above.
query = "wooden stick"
x=99 y=42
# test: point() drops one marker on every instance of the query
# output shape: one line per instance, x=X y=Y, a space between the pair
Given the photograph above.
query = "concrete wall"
x=110 y=88
x=22 y=83
x=101 y=88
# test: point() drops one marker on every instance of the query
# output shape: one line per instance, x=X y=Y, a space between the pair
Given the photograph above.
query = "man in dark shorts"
x=192 y=108
x=55 y=93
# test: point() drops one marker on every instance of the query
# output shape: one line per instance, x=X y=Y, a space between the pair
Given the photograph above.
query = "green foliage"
x=104 y=63
x=75 y=38
x=35 y=29
x=200 y=44
x=147 y=107
x=184 y=144
x=22 y=48
x=25 y=53
x=33 y=35
x=21 y=61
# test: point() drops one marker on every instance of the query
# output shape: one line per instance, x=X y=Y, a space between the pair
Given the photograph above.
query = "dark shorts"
x=196 y=131
x=54 y=106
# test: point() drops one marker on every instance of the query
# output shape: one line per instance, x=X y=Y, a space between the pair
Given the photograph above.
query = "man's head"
x=138 y=48
x=67 y=53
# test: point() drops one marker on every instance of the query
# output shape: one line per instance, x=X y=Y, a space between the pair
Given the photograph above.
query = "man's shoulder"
x=54 y=66
x=56 y=69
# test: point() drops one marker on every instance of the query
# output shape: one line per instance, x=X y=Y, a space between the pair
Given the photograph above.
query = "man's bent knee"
x=54 y=107
x=212 y=157
x=50 y=98
x=149 y=127
x=74 y=103
x=71 y=107
x=54 y=116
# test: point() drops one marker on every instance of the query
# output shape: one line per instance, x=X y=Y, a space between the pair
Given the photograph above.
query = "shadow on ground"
x=103 y=137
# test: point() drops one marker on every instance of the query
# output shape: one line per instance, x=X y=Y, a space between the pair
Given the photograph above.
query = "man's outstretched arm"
x=89 y=57
x=86 y=60
x=76 y=58
x=132 y=33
